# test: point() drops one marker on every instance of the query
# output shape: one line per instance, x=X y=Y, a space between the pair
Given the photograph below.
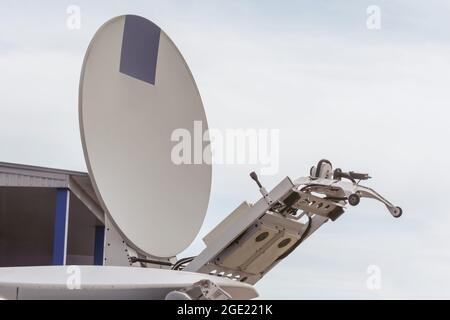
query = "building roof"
x=20 y=175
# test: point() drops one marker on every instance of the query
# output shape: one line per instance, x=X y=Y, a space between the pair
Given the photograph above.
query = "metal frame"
x=255 y=238
x=203 y=263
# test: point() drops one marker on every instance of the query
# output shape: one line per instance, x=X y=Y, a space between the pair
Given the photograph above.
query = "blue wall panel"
x=60 y=228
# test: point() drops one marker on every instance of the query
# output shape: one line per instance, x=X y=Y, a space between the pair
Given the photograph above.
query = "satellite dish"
x=135 y=90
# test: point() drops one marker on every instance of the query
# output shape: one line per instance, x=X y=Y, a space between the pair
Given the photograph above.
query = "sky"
x=370 y=100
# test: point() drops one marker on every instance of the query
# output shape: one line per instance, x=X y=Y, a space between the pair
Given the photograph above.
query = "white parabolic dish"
x=135 y=90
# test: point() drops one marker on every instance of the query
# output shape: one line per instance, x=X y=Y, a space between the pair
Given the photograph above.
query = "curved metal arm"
x=344 y=190
x=366 y=192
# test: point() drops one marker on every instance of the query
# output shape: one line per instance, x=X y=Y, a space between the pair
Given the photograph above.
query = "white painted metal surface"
x=126 y=126
x=240 y=221
x=103 y=282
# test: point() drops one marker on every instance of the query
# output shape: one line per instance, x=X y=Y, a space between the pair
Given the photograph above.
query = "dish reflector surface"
x=135 y=90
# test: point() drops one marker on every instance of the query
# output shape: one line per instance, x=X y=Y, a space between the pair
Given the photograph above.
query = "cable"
x=180 y=262
x=163 y=263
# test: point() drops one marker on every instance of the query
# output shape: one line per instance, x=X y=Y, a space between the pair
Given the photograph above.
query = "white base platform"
x=105 y=282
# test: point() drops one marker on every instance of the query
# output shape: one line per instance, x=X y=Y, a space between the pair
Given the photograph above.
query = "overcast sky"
x=368 y=100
